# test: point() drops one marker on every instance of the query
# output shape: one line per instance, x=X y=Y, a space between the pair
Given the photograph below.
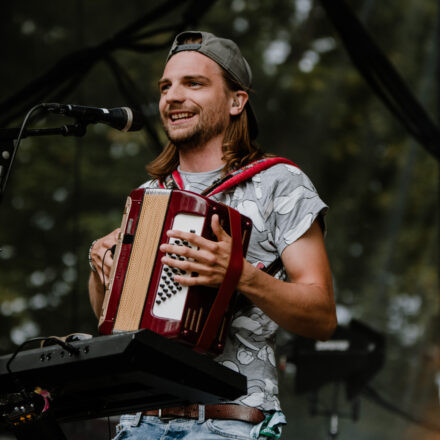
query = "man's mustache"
x=180 y=108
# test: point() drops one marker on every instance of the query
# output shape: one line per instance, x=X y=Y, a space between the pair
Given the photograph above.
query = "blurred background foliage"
x=313 y=108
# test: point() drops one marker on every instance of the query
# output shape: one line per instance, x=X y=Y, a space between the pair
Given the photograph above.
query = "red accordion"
x=141 y=291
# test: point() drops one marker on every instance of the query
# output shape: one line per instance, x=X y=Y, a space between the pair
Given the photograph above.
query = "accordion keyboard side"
x=105 y=304
x=142 y=261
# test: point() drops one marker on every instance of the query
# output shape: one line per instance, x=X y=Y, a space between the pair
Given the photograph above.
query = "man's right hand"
x=100 y=250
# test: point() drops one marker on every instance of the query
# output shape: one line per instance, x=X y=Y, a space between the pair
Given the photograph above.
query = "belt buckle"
x=163 y=418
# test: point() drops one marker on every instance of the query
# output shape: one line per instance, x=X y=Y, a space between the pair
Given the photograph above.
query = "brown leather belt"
x=222 y=411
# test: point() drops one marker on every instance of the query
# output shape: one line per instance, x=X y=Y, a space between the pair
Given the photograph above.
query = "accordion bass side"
x=141 y=292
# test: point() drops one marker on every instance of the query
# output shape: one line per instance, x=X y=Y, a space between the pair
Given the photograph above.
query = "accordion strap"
x=227 y=288
x=244 y=173
x=233 y=178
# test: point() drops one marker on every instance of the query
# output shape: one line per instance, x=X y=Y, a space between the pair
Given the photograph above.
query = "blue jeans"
x=153 y=428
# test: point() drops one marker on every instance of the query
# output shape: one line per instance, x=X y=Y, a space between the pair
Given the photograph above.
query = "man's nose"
x=175 y=93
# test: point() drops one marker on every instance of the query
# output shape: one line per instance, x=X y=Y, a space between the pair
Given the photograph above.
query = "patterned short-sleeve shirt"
x=282 y=203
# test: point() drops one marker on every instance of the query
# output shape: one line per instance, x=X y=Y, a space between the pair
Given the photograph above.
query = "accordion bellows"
x=141 y=292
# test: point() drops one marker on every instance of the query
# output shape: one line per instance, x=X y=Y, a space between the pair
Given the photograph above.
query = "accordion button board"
x=171 y=296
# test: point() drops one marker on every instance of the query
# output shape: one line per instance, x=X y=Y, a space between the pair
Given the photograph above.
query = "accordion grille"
x=142 y=261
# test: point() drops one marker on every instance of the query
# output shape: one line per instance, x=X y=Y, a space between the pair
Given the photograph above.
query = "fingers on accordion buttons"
x=168 y=287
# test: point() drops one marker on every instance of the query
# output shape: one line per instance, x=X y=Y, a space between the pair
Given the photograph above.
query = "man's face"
x=194 y=103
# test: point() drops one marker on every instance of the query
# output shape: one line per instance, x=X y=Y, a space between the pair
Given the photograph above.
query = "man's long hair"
x=238 y=148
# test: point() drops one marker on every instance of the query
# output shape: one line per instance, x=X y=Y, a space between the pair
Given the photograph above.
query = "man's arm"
x=304 y=305
x=96 y=280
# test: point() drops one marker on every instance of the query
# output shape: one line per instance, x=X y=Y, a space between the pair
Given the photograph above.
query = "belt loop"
x=201 y=418
x=137 y=419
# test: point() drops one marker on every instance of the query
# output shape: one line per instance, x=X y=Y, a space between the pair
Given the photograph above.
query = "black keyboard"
x=120 y=373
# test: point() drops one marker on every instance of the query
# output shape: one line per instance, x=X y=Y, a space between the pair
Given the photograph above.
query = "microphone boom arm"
x=79 y=129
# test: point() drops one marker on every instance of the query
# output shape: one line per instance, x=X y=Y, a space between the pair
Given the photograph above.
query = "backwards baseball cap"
x=227 y=55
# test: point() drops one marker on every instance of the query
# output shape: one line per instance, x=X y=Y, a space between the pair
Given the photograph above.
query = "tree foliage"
x=313 y=107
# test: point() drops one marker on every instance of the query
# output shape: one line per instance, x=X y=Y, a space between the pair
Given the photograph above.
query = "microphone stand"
x=8 y=149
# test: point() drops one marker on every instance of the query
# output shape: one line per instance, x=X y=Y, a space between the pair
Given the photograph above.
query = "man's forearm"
x=304 y=309
x=96 y=293
x=102 y=260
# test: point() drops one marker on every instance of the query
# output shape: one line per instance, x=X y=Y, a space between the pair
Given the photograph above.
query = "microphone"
x=121 y=118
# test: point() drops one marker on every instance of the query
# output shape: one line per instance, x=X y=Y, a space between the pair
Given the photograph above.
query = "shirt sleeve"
x=291 y=205
x=150 y=184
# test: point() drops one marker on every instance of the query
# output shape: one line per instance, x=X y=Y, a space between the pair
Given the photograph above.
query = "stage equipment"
x=105 y=376
x=141 y=291
x=353 y=356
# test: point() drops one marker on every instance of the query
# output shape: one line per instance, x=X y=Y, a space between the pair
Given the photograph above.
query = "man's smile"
x=180 y=116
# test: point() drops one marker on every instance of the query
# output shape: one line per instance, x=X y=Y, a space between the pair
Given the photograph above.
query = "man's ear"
x=238 y=101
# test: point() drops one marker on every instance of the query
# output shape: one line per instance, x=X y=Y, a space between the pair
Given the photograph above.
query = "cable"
x=63 y=344
x=23 y=126
x=17 y=144
x=375 y=397
x=109 y=428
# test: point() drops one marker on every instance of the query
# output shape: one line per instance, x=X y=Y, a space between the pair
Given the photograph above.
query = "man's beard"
x=208 y=126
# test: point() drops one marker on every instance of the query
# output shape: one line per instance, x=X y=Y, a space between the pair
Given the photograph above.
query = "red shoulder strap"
x=178 y=179
x=231 y=179
x=248 y=171
x=174 y=180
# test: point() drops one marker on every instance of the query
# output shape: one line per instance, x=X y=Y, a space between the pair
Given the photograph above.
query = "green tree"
x=313 y=107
